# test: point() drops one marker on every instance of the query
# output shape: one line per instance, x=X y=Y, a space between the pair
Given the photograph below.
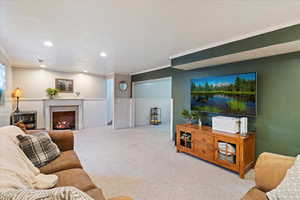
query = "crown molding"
x=150 y=70
x=152 y=80
x=110 y=75
x=28 y=67
x=236 y=38
x=273 y=50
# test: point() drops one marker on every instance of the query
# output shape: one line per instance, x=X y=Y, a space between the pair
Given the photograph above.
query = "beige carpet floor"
x=143 y=163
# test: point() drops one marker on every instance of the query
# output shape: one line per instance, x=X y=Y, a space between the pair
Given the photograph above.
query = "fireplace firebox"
x=64 y=120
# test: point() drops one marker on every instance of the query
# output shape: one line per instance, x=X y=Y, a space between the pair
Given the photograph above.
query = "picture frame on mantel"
x=64 y=85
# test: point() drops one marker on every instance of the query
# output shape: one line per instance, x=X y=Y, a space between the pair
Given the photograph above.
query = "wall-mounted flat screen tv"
x=233 y=94
x=2 y=83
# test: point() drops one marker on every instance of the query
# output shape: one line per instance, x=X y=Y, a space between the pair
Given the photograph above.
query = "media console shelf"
x=230 y=151
x=27 y=117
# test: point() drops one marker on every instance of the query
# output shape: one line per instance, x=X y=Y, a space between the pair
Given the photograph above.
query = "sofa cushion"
x=63 y=139
x=39 y=148
x=255 y=194
x=96 y=194
x=74 y=177
x=66 y=160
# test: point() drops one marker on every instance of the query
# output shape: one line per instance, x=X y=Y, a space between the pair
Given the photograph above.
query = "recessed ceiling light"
x=42 y=65
x=48 y=43
x=103 y=54
x=85 y=71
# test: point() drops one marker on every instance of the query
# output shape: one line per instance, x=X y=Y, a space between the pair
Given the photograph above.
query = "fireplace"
x=64 y=117
x=64 y=120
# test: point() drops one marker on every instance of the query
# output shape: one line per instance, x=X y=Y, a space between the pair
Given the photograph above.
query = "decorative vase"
x=199 y=122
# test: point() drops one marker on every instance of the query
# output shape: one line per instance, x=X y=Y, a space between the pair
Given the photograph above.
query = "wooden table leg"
x=242 y=173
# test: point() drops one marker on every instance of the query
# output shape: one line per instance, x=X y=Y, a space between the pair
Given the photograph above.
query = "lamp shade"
x=17 y=92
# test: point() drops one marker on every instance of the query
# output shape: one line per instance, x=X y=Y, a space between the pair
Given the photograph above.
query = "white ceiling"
x=137 y=35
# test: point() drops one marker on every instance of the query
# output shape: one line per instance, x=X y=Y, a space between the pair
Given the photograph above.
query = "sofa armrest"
x=255 y=194
x=63 y=139
x=35 y=131
x=270 y=169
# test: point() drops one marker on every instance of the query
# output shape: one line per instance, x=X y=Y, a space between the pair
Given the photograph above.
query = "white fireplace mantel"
x=48 y=103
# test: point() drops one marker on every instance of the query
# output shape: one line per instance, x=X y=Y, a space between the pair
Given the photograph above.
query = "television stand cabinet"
x=230 y=151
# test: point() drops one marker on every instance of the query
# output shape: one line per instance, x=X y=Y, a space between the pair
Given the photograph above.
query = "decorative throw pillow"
x=39 y=148
x=289 y=188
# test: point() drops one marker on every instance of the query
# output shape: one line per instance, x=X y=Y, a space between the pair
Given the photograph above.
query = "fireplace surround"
x=63 y=114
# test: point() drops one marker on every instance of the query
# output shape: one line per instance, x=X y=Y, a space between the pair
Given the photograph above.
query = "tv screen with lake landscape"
x=230 y=94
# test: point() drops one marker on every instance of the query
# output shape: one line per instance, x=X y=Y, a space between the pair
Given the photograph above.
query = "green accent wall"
x=284 y=35
x=278 y=99
x=162 y=73
x=278 y=88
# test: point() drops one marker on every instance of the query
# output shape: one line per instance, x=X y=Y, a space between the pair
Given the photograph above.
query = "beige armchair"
x=270 y=170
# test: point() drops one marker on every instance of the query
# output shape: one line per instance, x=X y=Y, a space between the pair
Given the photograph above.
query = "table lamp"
x=17 y=94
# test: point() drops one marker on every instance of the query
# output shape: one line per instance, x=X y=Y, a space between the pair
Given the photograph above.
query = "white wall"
x=123 y=113
x=149 y=94
x=142 y=110
x=122 y=104
x=6 y=108
x=94 y=113
x=160 y=88
x=34 y=82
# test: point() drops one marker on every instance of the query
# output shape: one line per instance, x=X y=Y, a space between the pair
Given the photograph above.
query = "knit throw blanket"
x=61 y=193
x=19 y=178
x=289 y=188
x=16 y=170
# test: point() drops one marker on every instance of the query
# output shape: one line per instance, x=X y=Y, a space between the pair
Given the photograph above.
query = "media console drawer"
x=230 y=151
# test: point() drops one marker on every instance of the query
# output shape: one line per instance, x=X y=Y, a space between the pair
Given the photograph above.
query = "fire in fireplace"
x=64 y=120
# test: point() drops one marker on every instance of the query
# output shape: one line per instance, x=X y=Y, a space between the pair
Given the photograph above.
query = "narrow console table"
x=27 y=117
x=230 y=151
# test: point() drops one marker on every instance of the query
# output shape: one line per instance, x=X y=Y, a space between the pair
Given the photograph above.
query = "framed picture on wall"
x=64 y=85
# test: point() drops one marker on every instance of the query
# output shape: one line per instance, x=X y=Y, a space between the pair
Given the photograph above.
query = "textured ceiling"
x=137 y=35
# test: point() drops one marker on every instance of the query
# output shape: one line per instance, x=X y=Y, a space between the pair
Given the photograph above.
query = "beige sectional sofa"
x=68 y=167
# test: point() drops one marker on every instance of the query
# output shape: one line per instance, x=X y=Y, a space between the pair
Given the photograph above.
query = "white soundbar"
x=226 y=124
